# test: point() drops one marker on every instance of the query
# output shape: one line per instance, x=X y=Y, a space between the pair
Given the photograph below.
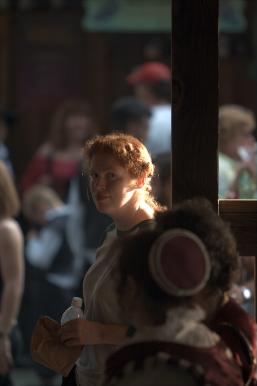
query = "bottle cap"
x=76 y=302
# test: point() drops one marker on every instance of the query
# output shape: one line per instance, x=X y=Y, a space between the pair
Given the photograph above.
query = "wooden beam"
x=242 y=217
x=195 y=99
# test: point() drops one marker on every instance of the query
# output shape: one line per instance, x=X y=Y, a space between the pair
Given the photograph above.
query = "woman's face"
x=111 y=185
x=79 y=127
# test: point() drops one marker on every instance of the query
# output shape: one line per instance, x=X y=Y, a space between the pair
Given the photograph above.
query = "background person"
x=54 y=271
x=131 y=116
x=237 y=152
x=57 y=160
x=11 y=275
x=152 y=85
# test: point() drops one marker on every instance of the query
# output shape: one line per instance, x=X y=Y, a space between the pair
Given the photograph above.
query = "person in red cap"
x=170 y=345
x=152 y=85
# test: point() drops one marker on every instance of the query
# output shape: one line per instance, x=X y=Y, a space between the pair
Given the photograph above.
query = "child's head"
x=156 y=273
x=125 y=153
x=37 y=201
x=197 y=215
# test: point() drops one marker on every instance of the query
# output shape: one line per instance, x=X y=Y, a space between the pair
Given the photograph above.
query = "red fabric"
x=234 y=315
x=218 y=370
x=176 y=262
x=149 y=72
x=60 y=172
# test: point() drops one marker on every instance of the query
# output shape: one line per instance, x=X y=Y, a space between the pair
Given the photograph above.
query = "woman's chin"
x=103 y=207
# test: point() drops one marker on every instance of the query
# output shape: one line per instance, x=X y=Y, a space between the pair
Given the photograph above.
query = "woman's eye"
x=111 y=176
x=94 y=176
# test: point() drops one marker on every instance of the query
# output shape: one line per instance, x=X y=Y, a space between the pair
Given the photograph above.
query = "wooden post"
x=195 y=99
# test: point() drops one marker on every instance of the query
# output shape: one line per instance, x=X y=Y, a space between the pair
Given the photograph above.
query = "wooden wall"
x=45 y=58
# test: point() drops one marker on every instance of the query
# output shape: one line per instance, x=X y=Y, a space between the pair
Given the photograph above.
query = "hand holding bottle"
x=77 y=331
x=73 y=312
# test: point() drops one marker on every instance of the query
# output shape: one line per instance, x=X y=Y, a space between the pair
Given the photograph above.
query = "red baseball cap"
x=149 y=72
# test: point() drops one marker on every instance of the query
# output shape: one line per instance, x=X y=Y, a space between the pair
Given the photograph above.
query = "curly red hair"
x=130 y=152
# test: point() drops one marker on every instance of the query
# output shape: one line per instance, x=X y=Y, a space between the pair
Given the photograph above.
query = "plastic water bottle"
x=73 y=312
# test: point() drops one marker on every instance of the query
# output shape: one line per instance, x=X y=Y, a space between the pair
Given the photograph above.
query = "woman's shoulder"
x=110 y=231
x=9 y=229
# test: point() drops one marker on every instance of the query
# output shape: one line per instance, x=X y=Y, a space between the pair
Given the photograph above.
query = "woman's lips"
x=101 y=197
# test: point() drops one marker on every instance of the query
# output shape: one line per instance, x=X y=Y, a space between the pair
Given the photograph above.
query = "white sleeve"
x=41 y=249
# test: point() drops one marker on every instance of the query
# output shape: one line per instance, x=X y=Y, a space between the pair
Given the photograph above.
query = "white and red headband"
x=179 y=263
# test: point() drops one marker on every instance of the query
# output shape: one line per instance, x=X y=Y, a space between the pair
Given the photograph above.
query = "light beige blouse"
x=101 y=305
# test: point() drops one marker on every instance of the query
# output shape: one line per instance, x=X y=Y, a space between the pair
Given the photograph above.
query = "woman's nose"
x=100 y=184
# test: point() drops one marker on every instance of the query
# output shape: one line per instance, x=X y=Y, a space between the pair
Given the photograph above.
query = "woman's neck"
x=129 y=217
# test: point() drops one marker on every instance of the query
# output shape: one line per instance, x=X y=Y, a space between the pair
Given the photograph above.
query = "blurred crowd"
x=58 y=221
x=57 y=218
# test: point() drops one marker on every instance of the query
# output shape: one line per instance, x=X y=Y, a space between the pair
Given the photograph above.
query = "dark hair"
x=198 y=216
x=161 y=89
x=128 y=110
x=133 y=254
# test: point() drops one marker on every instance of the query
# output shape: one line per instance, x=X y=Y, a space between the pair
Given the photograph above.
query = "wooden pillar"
x=195 y=99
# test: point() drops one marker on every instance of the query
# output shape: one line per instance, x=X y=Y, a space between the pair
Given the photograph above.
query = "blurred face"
x=39 y=213
x=246 y=139
x=139 y=129
x=79 y=127
x=240 y=140
x=143 y=94
x=111 y=185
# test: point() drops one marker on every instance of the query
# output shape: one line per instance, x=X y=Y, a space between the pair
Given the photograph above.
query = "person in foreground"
x=120 y=171
x=161 y=274
x=224 y=315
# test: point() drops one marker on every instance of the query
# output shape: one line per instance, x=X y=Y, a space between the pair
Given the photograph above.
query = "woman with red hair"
x=120 y=171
